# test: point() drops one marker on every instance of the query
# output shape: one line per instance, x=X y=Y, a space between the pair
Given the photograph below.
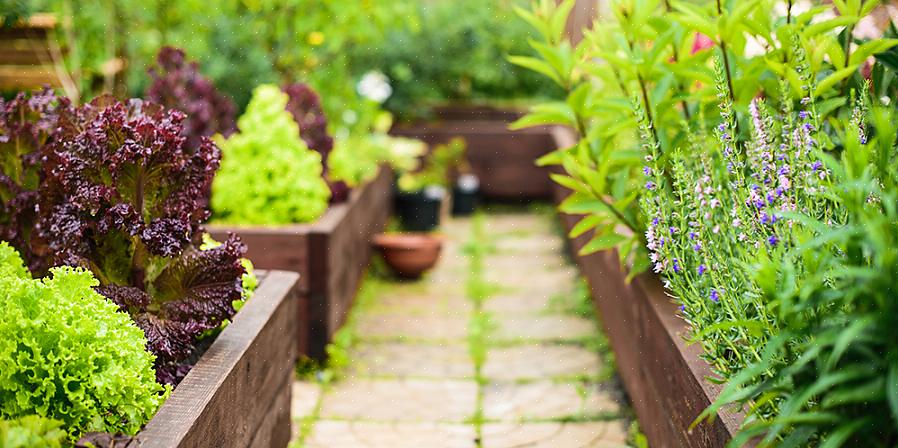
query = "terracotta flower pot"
x=409 y=254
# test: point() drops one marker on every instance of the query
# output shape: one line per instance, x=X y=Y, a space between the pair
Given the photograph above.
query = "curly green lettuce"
x=32 y=431
x=268 y=175
x=68 y=354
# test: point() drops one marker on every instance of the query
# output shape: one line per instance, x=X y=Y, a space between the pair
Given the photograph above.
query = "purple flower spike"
x=676 y=266
x=650 y=185
x=773 y=240
x=715 y=296
x=647 y=170
x=701 y=269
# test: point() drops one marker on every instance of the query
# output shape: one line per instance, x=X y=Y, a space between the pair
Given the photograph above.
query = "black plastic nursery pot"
x=464 y=202
x=418 y=211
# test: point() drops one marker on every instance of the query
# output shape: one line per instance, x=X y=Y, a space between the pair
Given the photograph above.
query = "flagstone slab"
x=532 y=328
x=610 y=434
x=421 y=305
x=343 y=434
x=400 y=400
x=540 y=361
x=450 y=360
x=546 y=400
x=305 y=399
x=427 y=327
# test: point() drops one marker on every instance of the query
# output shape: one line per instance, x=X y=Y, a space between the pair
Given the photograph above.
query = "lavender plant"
x=717 y=204
x=829 y=373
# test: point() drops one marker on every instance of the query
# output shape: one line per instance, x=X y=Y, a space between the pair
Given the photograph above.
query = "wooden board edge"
x=179 y=415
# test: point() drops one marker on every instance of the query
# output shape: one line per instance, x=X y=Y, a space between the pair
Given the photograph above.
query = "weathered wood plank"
x=227 y=396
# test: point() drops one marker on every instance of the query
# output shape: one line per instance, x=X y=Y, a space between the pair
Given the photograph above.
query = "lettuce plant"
x=32 y=431
x=122 y=197
x=27 y=125
x=178 y=84
x=68 y=354
x=268 y=175
x=305 y=107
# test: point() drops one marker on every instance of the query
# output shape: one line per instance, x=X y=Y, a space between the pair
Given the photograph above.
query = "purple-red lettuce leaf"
x=123 y=196
x=305 y=107
x=27 y=123
x=178 y=84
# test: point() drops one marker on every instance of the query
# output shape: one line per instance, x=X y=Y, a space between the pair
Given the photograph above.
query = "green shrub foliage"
x=268 y=175
x=66 y=353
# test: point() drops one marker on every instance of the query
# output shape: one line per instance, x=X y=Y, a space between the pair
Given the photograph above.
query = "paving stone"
x=527 y=362
x=415 y=360
x=516 y=224
x=400 y=400
x=521 y=279
x=532 y=245
x=305 y=399
x=527 y=262
x=428 y=327
x=421 y=305
x=610 y=434
x=556 y=327
x=341 y=434
x=546 y=400
x=519 y=302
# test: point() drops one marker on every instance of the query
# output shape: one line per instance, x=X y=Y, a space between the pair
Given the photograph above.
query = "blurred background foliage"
x=432 y=51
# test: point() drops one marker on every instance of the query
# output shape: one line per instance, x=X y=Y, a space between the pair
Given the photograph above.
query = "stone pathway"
x=486 y=351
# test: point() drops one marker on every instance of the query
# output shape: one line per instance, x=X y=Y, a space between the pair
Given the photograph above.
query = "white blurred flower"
x=799 y=7
x=754 y=46
x=375 y=86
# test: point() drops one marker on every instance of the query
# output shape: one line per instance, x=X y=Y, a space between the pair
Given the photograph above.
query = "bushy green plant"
x=268 y=175
x=657 y=53
x=32 y=431
x=472 y=39
x=831 y=368
x=754 y=220
x=68 y=354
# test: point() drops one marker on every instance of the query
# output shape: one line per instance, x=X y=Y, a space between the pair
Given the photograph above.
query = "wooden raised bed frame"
x=239 y=393
x=330 y=255
x=502 y=159
x=664 y=377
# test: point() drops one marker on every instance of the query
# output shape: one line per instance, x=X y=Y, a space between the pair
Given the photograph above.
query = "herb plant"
x=268 y=174
x=771 y=226
x=177 y=84
x=68 y=354
x=122 y=197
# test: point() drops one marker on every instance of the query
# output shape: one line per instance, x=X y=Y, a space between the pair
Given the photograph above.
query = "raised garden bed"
x=238 y=394
x=664 y=377
x=502 y=159
x=330 y=255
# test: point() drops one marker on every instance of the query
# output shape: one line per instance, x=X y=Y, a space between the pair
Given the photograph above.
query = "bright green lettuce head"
x=68 y=354
x=32 y=431
x=268 y=175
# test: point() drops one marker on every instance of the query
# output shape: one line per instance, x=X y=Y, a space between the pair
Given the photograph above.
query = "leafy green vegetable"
x=66 y=353
x=32 y=431
x=268 y=175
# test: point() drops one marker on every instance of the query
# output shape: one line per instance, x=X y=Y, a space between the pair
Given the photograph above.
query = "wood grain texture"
x=664 y=377
x=238 y=386
x=330 y=255
x=504 y=160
